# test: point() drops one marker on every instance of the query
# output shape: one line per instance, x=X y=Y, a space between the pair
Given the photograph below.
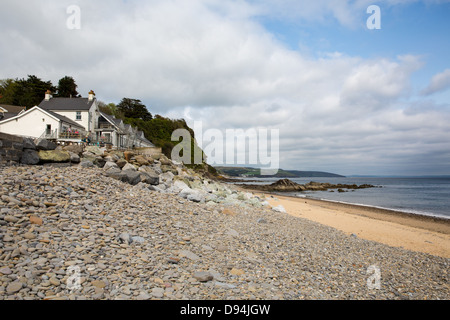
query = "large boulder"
x=45 y=145
x=149 y=179
x=116 y=173
x=141 y=161
x=74 y=157
x=109 y=165
x=121 y=163
x=128 y=155
x=165 y=161
x=87 y=163
x=28 y=143
x=132 y=177
x=192 y=195
x=95 y=150
x=78 y=149
x=30 y=157
x=129 y=167
x=54 y=156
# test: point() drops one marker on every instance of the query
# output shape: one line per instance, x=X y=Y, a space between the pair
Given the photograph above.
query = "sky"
x=344 y=98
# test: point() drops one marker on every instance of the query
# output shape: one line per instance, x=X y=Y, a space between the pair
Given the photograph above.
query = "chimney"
x=91 y=95
x=48 y=95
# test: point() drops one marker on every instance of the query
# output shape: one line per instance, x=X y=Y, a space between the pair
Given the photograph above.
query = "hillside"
x=255 y=172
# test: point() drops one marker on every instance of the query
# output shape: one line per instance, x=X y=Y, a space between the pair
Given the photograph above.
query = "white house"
x=39 y=123
x=81 y=110
x=72 y=120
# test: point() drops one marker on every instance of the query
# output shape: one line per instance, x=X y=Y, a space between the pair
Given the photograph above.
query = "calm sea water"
x=425 y=196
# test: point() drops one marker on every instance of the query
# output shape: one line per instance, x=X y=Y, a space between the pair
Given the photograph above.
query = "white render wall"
x=33 y=124
x=72 y=115
x=89 y=122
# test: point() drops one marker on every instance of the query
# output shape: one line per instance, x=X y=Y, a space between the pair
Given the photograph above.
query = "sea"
x=424 y=196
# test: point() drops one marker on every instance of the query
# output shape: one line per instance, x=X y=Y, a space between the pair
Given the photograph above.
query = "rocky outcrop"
x=286 y=185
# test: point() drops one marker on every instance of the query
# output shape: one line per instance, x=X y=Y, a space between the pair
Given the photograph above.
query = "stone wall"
x=11 y=148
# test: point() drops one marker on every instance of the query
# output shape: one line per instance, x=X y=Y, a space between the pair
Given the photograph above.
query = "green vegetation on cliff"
x=255 y=172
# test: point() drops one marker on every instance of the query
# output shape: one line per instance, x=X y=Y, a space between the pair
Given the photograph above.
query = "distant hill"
x=255 y=172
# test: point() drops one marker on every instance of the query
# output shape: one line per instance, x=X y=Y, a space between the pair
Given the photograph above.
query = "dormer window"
x=78 y=117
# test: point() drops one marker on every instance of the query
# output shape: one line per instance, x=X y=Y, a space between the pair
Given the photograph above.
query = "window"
x=78 y=118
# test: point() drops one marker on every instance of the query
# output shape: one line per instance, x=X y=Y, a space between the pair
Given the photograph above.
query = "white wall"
x=72 y=115
x=33 y=124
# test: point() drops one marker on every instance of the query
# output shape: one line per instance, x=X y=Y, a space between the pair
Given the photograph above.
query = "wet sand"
x=398 y=229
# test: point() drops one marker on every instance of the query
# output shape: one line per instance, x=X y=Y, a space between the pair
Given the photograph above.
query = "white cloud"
x=212 y=61
x=440 y=82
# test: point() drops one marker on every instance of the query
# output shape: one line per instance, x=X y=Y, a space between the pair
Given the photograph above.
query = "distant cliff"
x=254 y=172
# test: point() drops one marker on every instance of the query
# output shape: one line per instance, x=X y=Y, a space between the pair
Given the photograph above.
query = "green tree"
x=133 y=108
x=8 y=88
x=67 y=87
x=30 y=92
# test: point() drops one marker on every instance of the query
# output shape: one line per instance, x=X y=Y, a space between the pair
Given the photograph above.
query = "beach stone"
x=158 y=292
x=202 y=276
x=36 y=220
x=125 y=238
x=14 y=287
x=11 y=219
x=189 y=254
x=237 y=272
x=98 y=284
x=54 y=281
x=279 y=208
x=6 y=271
x=29 y=236
x=137 y=239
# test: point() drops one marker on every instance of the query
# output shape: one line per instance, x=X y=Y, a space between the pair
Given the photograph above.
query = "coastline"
x=427 y=234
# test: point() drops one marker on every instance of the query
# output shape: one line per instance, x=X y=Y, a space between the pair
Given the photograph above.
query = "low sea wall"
x=11 y=148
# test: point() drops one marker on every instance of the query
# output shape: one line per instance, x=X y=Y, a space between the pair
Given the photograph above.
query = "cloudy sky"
x=345 y=98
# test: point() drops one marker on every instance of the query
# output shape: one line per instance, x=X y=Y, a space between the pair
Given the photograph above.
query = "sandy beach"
x=409 y=231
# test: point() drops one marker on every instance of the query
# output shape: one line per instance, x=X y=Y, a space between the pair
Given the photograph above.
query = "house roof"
x=11 y=109
x=111 y=119
x=48 y=112
x=75 y=104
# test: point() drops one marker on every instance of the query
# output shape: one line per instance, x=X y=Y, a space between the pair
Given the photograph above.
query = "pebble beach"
x=73 y=233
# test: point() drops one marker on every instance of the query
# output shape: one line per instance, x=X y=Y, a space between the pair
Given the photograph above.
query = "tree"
x=30 y=92
x=133 y=108
x=67 y=87
x=8 y=88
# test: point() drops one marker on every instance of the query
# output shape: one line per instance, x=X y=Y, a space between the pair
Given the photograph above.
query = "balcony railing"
x=71 y=135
